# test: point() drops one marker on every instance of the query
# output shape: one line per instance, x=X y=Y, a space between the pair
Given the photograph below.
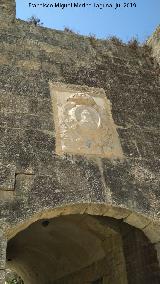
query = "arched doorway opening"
x=83 y=249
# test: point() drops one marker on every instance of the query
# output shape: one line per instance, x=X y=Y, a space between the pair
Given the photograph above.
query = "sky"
x=124 y=22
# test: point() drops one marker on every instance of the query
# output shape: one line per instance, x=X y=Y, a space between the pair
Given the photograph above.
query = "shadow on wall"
x=78 y=249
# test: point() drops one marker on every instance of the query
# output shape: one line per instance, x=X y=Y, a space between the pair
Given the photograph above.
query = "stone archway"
x=73 y=248
x=80 y=247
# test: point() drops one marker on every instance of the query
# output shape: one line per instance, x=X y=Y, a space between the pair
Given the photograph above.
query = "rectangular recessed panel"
x=83 y=121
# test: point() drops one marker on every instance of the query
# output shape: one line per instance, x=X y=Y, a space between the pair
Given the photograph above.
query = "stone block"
x=107 y=210
x=10 y=103
x=133 y=185
x=152 y=231
x=96 y=209
x=157 y=247
x=117 y=213
x=3 y=246
x=2 y=276
x=4 y=60
x=74 y=209
x=137 y=221
x=29 y=64
x=7 y=10
x=7 y=177
x=26 y=121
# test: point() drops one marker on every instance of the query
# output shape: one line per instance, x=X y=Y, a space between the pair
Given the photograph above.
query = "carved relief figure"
x=82 y=122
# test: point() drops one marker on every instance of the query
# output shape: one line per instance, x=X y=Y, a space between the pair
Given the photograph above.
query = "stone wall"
x=7 y=10
x=31 y=56
x=34 y=179
x=154 y=43
x=141 y=257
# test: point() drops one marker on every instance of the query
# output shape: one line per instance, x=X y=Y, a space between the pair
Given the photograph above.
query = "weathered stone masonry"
x=38 y=183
